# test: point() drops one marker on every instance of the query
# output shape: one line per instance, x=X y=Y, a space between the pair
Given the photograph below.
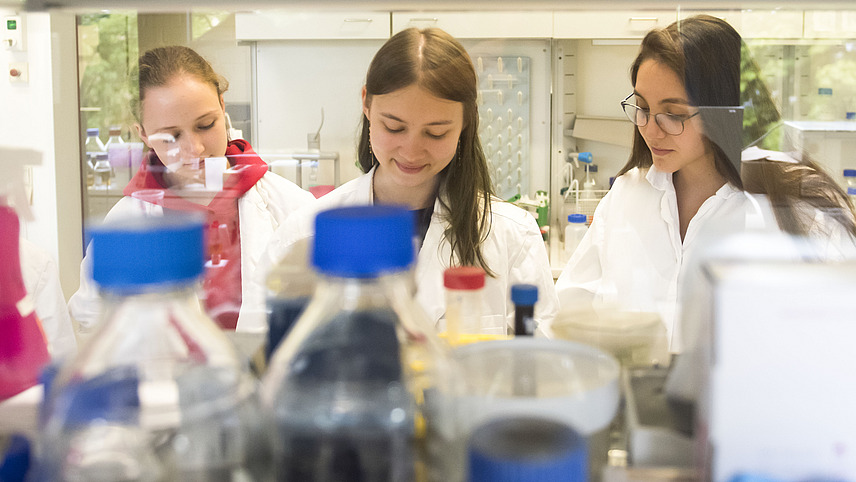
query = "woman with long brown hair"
x=419 y=147
x=684 y=174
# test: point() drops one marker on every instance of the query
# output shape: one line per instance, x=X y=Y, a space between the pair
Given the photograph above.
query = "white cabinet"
x=479 y=24
x=759 y=23
x=624 y=24
x=831 y=24
x=292 y=25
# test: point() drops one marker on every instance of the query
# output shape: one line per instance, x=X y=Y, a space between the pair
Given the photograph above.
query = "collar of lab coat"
x=662 y=181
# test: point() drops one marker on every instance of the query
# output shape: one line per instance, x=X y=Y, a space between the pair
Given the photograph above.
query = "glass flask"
x=362 y=388
x=158 y=393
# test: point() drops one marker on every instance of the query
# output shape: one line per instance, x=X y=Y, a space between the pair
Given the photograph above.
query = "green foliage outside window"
x=107 y=51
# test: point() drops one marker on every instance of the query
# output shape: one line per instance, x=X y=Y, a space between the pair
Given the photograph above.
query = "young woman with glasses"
x=684 y=174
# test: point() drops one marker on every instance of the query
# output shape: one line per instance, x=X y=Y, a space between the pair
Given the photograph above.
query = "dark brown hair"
x=706 y=52
x=436 y=62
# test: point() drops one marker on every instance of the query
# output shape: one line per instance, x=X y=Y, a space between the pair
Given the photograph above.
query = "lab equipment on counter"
x=362 y=388
x=634 y=338
x=571 y=383
x=524 y=297
x=575 y=230
x=524 y=449
x=158 y=391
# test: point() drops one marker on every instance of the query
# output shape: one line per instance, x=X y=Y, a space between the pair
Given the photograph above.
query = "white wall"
x=41 y=115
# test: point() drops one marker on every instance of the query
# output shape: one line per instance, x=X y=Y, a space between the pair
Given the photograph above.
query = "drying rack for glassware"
x=582 y=201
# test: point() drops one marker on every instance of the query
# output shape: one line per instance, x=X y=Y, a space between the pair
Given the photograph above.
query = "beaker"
x=149 y=201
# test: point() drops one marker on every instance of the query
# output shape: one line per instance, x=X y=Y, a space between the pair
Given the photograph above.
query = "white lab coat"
x=41 y=279
x=261 y=210
x=514 y=251
x=632 y=256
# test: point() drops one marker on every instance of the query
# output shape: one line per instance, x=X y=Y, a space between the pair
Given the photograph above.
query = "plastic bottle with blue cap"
x=362 y=388
x=158 y=392
x=575 y=230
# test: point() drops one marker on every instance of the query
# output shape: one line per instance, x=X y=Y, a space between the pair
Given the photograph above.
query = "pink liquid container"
x=23 y=349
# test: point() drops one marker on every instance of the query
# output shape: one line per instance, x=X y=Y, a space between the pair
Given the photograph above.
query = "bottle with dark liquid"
x=361 y=389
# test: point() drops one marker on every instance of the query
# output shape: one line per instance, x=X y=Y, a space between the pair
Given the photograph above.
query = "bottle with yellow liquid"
x=464 y=321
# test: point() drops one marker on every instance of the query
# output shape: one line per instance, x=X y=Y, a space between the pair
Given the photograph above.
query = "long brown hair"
x=158 y=66
x=706 y=53
x=436 y=62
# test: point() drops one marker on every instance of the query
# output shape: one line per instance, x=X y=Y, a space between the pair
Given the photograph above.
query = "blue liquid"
x=344 y=413
x=283 y=314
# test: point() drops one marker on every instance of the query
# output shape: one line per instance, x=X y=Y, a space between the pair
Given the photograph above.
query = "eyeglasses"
x=671 y=124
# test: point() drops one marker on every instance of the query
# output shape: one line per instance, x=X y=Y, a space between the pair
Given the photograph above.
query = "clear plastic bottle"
x=362 y=388
x=91 y=148
x=119 y=155
x=23 y=350
x=158 y=392
x=102 y=169
x=93 y=144
x=115 y=137
x=574 y=232
x=464 y=286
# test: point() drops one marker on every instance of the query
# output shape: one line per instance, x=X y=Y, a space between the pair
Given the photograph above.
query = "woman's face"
x=414 y=135
x=184 y=123
x=660 y=90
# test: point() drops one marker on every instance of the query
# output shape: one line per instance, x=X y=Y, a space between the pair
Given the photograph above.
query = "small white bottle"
x=574 y=232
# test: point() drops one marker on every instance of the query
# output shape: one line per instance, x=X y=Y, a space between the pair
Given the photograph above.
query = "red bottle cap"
x=464 y=278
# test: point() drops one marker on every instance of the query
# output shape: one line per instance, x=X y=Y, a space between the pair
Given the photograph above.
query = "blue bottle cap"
x=584 y=157
x=850 y=173
x=137 y=252
x=92 y=131
x=363 y=241
x=522 y=449
x=577 y=218
x=15 y=463
x=524 y=294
